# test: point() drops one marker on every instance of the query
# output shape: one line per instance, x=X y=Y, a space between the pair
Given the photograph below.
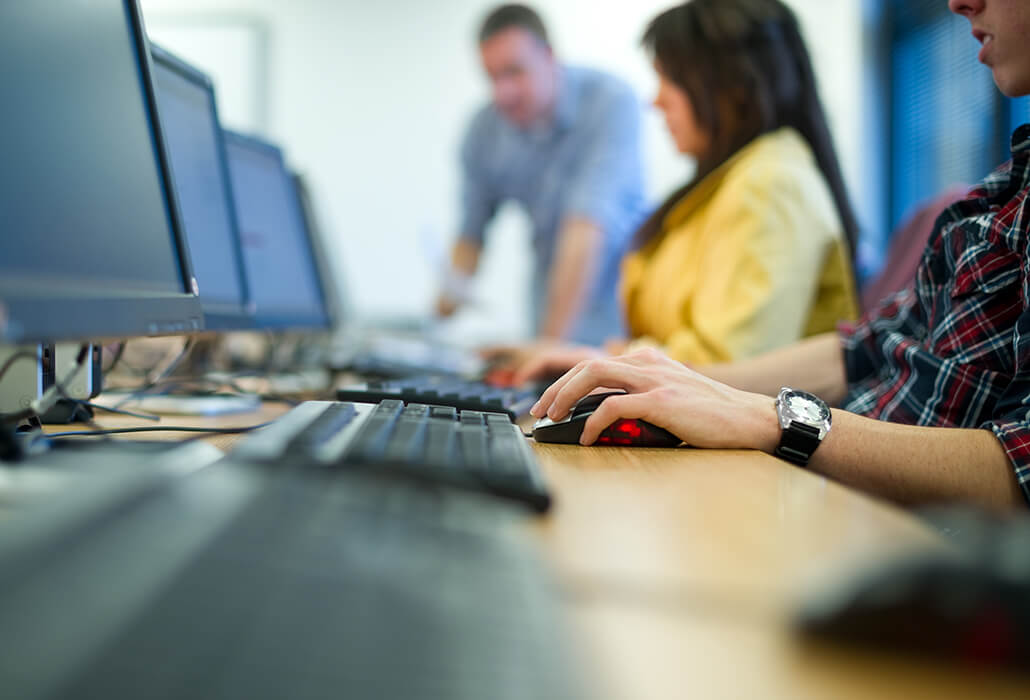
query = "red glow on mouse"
x=622 y=432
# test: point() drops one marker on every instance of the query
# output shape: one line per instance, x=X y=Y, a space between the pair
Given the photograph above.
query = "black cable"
x=164 y=429
x=150 y=384
x=193 y=387
x=120 y=412
x=118 y=355
x=23 y=355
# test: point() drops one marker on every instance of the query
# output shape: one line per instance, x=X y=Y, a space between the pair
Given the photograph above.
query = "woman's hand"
x=553 y=360
x=701 y=411
x=508 y=362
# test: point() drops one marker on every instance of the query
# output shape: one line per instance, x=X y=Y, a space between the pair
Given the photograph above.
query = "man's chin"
x=1011 y=87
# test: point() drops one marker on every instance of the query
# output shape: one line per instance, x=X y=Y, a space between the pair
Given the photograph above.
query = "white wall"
x=371 y=99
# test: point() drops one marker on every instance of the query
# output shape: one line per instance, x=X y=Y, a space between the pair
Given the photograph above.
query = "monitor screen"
x=90 y=246
x=277 y=252
x=337 y=304
x=196 y=151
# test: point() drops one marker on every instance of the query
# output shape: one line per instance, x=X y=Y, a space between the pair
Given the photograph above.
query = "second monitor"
x=277 y=255
x=196 y=149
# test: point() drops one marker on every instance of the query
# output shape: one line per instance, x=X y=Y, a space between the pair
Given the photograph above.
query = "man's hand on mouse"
x=701 y=411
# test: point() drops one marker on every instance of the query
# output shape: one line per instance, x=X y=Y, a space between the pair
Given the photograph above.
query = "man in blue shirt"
x=564 y=143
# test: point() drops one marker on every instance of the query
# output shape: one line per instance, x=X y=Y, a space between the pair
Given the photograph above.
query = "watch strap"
x=798 y=443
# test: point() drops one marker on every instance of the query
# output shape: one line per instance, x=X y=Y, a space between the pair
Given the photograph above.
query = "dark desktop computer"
x=283 y=264
x=287 y=292
x=93 y=246
x=196 y=151
x=200 y=172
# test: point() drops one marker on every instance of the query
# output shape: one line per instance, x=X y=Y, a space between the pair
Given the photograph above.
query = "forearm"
x=919 y=465
x=573 y=271
x=815 y=365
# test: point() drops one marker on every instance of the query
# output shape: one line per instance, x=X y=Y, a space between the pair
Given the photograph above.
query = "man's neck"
x=549 y=114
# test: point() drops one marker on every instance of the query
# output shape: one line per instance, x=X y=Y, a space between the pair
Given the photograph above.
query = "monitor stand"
x=183 y=405
x=194 y=368
x=65 y=412
x=78 y=386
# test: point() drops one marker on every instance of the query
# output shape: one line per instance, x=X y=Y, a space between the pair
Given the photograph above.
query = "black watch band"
x=798 y=443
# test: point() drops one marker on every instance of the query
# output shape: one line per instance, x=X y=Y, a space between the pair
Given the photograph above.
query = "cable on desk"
x=24 y=355
x=121 y=412
x=150 y=384
x=163 y=429
x=117 y=358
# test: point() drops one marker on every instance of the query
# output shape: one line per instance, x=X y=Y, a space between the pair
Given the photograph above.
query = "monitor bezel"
x=112 y=316
x=276 y=320
x=217 y=316
x=335 y=302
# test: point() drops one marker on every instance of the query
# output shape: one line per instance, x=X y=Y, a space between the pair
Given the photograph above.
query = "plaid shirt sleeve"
x=864 y=343
x=1012 y=422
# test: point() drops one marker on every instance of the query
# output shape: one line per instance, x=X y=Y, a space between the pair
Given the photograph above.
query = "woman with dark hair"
x=755 y=252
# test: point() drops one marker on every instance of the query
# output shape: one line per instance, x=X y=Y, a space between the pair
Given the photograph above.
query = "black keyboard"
x=466 y=449
x=461 y=394
x=393 y=355
x=240 y=580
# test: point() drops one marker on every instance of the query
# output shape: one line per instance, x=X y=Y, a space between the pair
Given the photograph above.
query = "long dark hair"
x=746 y=70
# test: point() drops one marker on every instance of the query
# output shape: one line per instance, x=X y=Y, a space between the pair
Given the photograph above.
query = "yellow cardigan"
x=752 y=258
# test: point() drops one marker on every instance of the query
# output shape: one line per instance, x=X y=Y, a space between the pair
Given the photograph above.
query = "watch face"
x=806 y=410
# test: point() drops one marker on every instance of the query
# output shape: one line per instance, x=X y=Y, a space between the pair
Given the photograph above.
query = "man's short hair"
x=514 y=16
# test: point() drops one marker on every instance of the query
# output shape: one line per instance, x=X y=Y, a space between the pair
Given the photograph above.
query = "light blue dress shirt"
x=585 y=163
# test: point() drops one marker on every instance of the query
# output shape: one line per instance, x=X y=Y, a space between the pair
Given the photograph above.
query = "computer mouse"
x=625 y=432
x=971 y=606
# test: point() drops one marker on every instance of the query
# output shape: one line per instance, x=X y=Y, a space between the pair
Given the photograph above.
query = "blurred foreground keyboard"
x=467 y=449
x=461 y=394
x=265 y=581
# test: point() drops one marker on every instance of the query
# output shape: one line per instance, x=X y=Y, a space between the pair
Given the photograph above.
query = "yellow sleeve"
x=760 y=273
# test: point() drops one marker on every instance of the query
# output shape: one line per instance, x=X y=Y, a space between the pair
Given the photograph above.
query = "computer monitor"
x=277 y=253
x=90 y=241
x=337 y=303
x=200 y=171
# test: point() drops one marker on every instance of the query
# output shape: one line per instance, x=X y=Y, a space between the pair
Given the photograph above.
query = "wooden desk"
x=678 y=569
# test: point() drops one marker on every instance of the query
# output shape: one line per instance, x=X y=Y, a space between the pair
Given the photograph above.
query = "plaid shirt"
x=953 y=350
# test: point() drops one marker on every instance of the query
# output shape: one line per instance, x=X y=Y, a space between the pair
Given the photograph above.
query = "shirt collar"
x=1021 y=139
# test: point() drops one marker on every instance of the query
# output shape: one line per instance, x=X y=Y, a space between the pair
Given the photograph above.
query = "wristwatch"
x=805 y=420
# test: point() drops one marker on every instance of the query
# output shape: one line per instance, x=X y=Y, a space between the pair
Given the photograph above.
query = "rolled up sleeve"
x=1011 y=424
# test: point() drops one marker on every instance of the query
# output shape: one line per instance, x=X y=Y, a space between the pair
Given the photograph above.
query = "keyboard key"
x=468 y=449
x=471 y=418
x=460 y=394
x=445 y=412
x=334 y=419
